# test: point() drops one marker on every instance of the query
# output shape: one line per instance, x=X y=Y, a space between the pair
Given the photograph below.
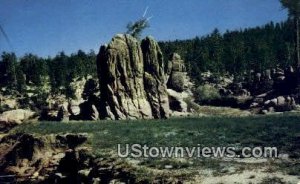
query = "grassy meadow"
x=281 y=131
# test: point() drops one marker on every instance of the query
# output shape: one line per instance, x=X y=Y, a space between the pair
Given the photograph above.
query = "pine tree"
x=10 y=65
x=31 y=63
x=293 y=7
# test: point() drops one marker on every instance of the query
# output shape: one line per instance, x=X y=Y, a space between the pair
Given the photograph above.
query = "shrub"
x=206 y=93
x=176 y=81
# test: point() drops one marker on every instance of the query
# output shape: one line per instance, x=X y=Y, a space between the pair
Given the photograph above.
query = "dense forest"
x=237 y=52
x=31 y=70
x=234 y=52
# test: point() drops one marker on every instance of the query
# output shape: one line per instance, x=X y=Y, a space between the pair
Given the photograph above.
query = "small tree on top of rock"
x=136 y=28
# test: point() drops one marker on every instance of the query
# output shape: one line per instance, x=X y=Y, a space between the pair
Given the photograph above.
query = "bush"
x=206 y=93
x=176 y=81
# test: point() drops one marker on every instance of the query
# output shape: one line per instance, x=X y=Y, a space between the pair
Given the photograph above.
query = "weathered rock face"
x=121 y=70
x=154 y=78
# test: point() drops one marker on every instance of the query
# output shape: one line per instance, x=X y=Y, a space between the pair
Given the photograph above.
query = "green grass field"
x=281 y=131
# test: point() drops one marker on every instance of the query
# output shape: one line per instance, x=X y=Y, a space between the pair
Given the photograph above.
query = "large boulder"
x=177 y=101
x=77 y=86
x=179 y=87
x=8 y=102
x=177 y=81
x=121 y=70
x=12 y=118
x=74 y=107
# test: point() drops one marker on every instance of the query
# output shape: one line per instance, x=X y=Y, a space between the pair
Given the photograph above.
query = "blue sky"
x=46 y=27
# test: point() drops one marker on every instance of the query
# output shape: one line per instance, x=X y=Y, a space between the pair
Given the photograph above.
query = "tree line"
x=58 y=72
x=237 y=52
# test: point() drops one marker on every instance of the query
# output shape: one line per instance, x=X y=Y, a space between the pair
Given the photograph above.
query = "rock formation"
x=276 y=91
x=131 y=88
x=154 y=78
x=176 y=73
x=179 y=86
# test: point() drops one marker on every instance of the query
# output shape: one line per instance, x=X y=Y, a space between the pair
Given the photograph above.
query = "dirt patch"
x=26 y=158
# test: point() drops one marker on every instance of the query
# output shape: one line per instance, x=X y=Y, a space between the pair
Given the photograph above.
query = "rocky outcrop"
x=122 y=72
x=179 y=86
x=176 y=73
x=154 y=78
x=274 y=91
x=277 y=104
x=87 y=109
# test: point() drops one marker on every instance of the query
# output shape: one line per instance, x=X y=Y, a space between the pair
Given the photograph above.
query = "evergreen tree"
x=58 y=72
x=31 y=63
x=21 y=80
x=9 y=75
x=293 y=7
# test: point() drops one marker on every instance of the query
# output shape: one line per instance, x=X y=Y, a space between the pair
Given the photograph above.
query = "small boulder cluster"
x=274 y=90
x=83 y=106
